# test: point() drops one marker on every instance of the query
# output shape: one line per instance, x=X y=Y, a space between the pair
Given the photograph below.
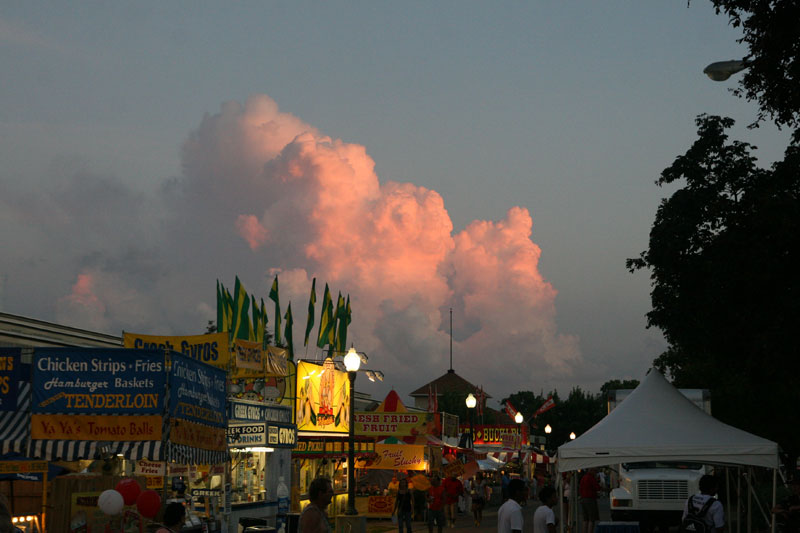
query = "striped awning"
x=74 y=450
x=15 y=426
x=527 y=455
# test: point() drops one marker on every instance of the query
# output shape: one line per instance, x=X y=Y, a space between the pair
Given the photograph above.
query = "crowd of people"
x=445 y=498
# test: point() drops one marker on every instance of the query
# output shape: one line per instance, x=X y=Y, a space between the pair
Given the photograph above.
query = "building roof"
x=448 y=382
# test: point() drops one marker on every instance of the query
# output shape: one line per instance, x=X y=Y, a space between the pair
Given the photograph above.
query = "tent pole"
x=749 y=501
x=728 y=494
x=774 y=495
x=560 y=492
x=738 y=499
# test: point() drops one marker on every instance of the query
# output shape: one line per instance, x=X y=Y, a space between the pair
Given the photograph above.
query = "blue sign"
x=9 y=378
x=281 y=435
x=100 y=381
x=258 y=412
x=196 y=391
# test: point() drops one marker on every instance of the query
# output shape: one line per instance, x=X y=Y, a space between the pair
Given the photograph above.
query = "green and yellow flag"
x=336 y=342
x=273 y=295
x=312 y=301
x=264 y=322
x=343 y=322
x=287 y=334
x=241 y=321
x=325 y=319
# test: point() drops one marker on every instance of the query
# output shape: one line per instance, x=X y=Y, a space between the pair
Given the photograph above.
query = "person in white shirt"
x=509 y=516
x=715 y=516
x=544 y=519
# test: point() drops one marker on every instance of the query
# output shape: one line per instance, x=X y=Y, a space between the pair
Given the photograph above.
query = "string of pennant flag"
x=234 y=310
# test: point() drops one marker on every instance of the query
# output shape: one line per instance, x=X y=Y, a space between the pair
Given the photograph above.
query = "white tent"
x=657 y=423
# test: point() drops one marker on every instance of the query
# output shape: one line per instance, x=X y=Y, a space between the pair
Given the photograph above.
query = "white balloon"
x=110 y=502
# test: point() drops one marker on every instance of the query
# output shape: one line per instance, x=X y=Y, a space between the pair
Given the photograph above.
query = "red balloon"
x=148 y=503
x=129 y=489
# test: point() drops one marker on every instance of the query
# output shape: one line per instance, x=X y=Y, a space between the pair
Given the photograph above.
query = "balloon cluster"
x=128 y=492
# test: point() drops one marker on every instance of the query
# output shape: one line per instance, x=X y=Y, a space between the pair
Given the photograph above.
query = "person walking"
x=714 y=516
x=403 y=506
x=314 y=518
x=453 y=489
x=436 y=505
x=588 y=488
x=544 y=519
x=509 y=516
x=480 y=495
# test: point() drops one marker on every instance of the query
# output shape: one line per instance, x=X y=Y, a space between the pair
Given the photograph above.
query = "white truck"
x=654 y=493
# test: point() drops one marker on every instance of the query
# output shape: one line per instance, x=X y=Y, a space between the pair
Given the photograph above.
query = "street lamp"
x=547 y=431
x=471 y=403
x=722 y=70
x=351 y=363
x=572 y=436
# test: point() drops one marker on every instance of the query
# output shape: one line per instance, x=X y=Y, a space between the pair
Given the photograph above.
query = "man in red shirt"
x=452 y=490
x=435 y=505
x=587 y=490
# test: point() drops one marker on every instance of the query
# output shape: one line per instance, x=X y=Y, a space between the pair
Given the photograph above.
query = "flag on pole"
x=220 y=309
x=325 y=319
x=228 y=309
x=264 y=322
x=241 y=320
x=287 y=333
x=312 y=301
x=273 y=295
x=258 y=331
x=341 y=325
x=510 y=409
x=546 y=406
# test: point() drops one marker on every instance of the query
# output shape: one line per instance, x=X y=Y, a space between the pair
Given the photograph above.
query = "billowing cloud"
x=263 y=193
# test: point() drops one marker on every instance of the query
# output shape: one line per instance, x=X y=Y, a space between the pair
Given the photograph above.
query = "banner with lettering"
x=211 y=348
x=96 y=427
x=197 y=435
x=498 y=434
x=197 y=392
x=102 y=381
x=323 y=398
x=376 y=424
x=398 y=457
x=248 y=359
x=9 y=378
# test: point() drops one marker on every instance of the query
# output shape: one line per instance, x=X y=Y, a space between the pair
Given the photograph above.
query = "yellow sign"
x=399 y=457
x=323 y=398
x=211 y=348
x=197 y=435
x=375 y=424
x=277 y=361
x=96 y=427
x=23 y=467
x=154 y=482
x=248 y=359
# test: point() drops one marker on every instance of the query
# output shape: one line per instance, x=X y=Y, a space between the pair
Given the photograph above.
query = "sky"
x=493 y=158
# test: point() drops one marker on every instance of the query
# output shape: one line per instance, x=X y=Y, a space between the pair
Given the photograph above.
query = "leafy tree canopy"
x=723 y=258
x=771 y=32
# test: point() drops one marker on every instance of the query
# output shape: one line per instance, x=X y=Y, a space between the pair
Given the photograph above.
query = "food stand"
x=104 y=408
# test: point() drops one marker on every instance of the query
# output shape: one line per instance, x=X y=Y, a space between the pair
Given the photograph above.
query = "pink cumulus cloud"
x=389 y=245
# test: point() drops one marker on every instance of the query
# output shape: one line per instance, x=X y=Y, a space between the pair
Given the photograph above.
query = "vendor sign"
x=197 y=435
x=9 y=378
x=246 y=435
x=398 y=457
x=96 y=427
x=197 y=391
x=98 y=381
x=248 y=359
x=211 y=348
x=258 y=412
x=376 y=424
x=323 y=398
x=496 y=434
x=281 y=435
x=150 y=468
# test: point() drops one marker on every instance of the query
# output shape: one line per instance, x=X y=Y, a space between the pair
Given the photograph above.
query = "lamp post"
x=572 y=436
x=471 y=403
x=351 y=363
x=518 y=419
x=547 y=431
